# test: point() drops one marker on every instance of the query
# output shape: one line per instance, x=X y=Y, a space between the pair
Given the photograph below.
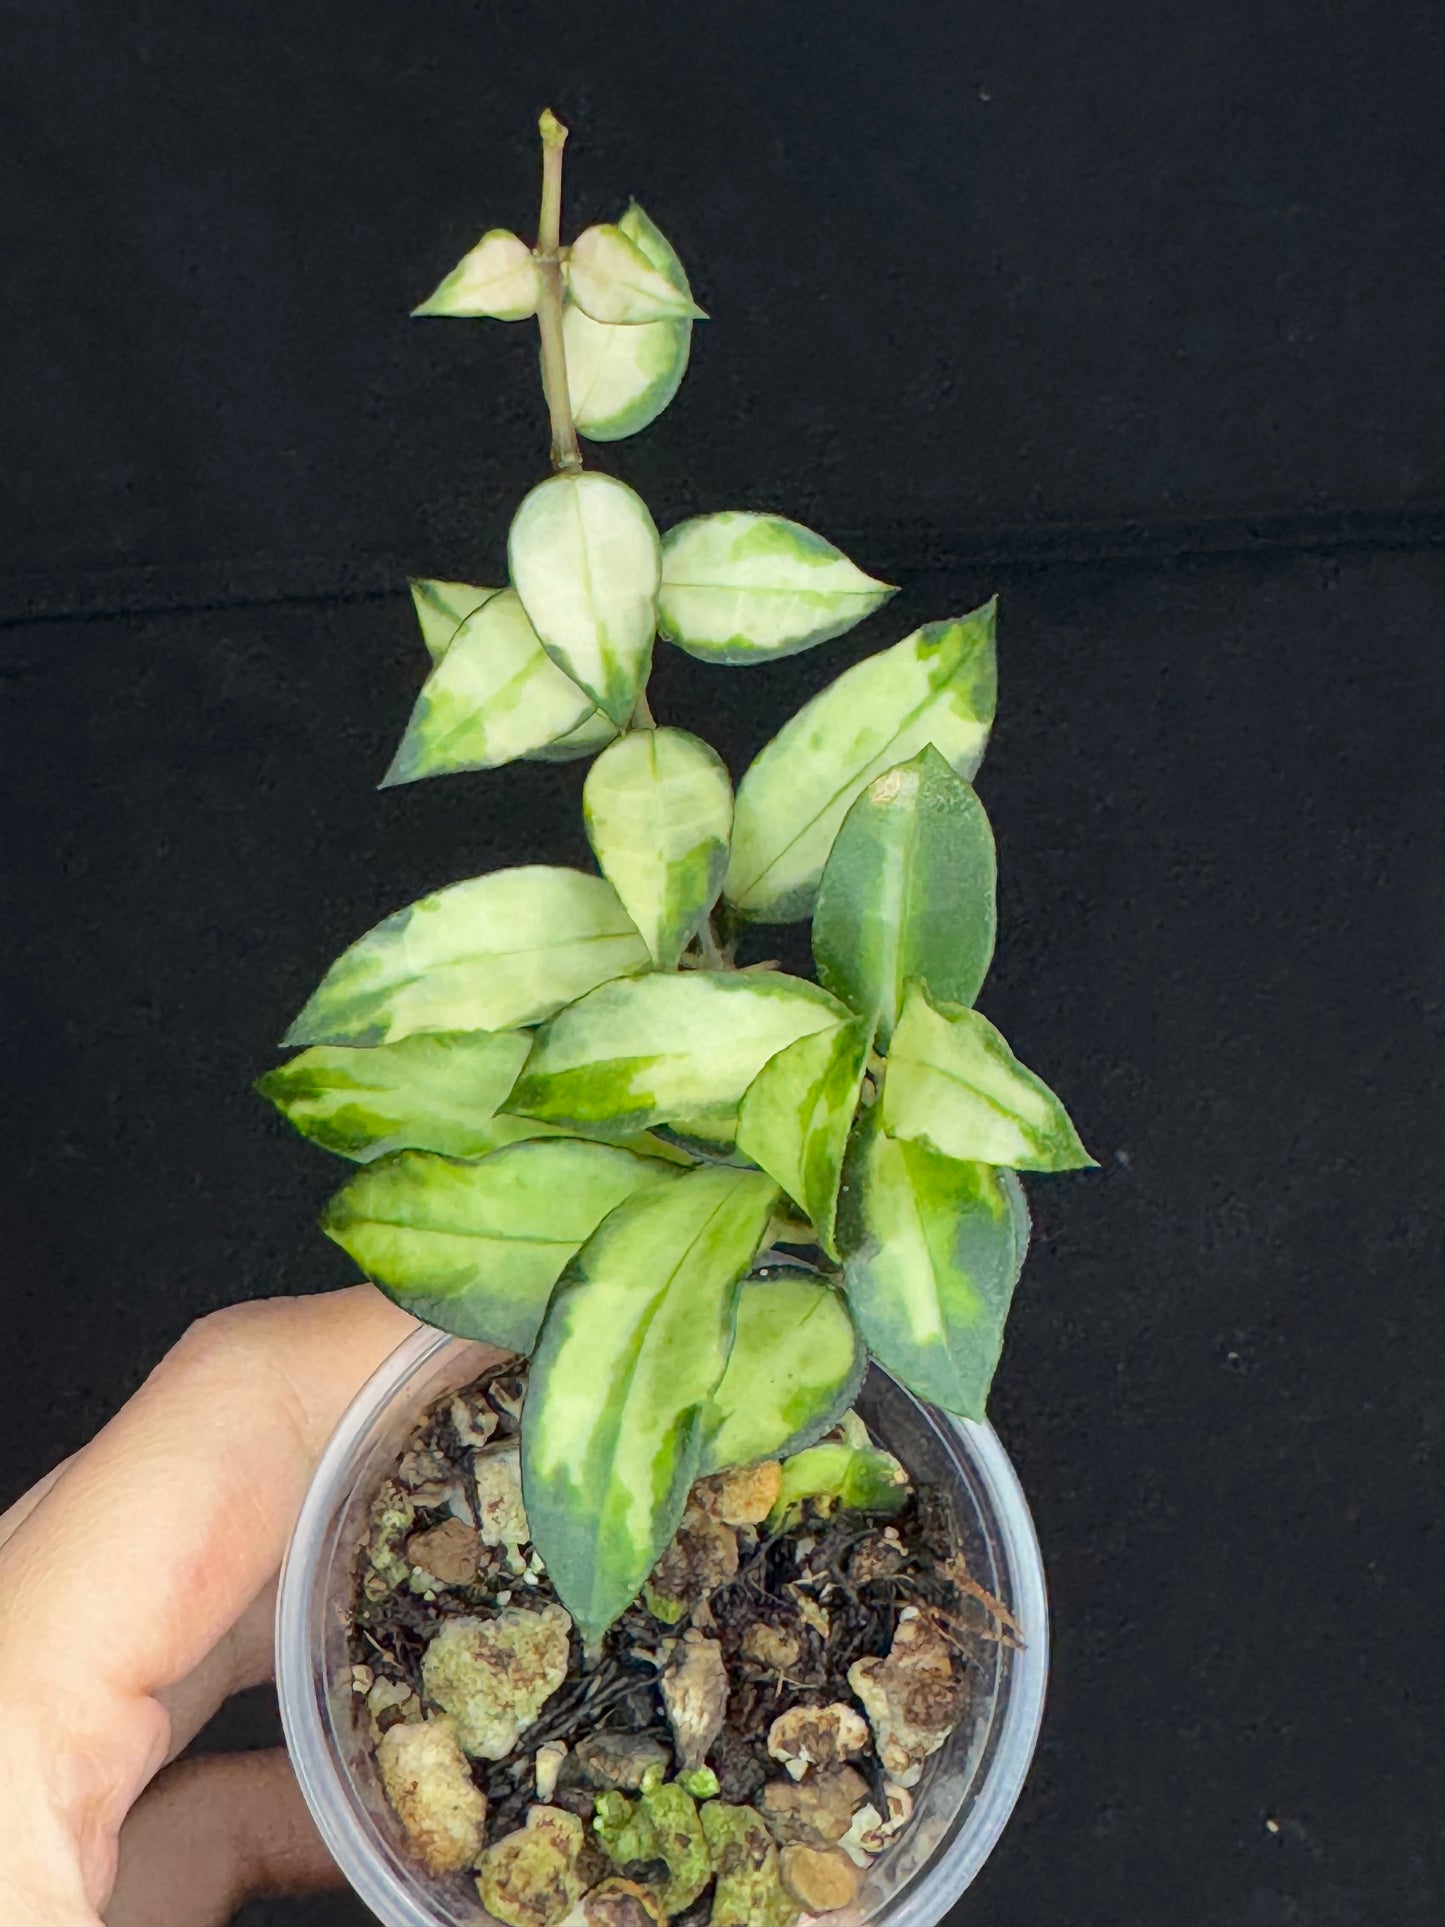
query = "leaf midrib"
x=488 y=956
x=634 y=1359
x=910 y=716
x=767 y=588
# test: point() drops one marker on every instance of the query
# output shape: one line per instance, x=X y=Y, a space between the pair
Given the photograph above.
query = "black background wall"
x=1131 y=313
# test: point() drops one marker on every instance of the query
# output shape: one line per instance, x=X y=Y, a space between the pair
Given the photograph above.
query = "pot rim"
x=331 y=1796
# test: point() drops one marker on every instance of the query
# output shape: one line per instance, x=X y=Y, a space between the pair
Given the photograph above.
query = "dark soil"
x=827 y=1589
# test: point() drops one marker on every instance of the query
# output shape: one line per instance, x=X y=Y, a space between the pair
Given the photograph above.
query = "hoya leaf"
x=743 y=588
x=442 y=608
x=488 y=954
x=954 y=1085
x=497 y=278
x=659 y=810
x=635 y=1341
x=932 y=1249
x=504 y=1128
x=495 y=695
x=612 y=280
x=936 y=686
x=622 y=377
x=585 y=740
x=795 y=1367
x=667 y=1049
x=908 y=892
x=585 y=558
x=860 y=1477
x=435 y=1092
x=477 y=1248
x=796 y=1115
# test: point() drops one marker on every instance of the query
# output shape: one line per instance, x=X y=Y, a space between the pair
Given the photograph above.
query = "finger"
x=16 y=1515
x=242 y=1657
x=211 y=1834
x=136 y=1562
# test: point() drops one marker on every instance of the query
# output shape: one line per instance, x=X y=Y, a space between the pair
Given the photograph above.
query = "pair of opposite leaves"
x=585 y=555
x=553 y=666
x=621 y=373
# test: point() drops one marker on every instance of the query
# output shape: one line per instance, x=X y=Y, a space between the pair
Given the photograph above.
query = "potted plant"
x=632 y=1591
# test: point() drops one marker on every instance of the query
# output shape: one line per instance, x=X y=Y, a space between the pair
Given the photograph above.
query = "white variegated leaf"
x=492 y=953
x=659 y=809
x=741 y=588
x=477 y=1247
x=442 y=608
x=795 y=1367
x=435 y=1092
x=622 y=377
x=936 y=686
x=668 y=1048
x=611 y=279
x=585 y=740
x=634 y=1343
x=953 y=1084
x=584 y=557
x=932 y=1249
x=496 y=695
x=498 y=278
x=796 y=1115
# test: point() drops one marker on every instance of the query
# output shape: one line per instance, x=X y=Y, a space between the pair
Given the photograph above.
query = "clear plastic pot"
x=966 y=1795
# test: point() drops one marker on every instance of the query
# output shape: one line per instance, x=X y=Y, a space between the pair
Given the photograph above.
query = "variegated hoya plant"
x=578 y=1122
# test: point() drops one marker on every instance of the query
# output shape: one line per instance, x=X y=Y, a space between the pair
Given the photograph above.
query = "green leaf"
x=936 y=686
x=678 y=1049
x=796 y=1115
x=954 y=1085
x=442 y=608
x=621 y=378
x=477 y=1248
x=743 y=588
x=794 y=1369
x=585 y=558
x=430 y=1093
x=498 y=278
x=488 y=954
x=932 y=1250
x=634 y=1343
x=908 y=891
x=494 y=696
x=659 y=810
x=857 y=1476
x=612 y=280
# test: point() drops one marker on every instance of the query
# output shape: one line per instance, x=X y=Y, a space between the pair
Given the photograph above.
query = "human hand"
x=137 y=1586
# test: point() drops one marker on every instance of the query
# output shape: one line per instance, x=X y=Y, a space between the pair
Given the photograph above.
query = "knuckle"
x=232 y=1334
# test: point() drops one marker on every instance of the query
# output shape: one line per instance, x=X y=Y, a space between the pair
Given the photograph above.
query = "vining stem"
x=566 y=454
x=711 y=949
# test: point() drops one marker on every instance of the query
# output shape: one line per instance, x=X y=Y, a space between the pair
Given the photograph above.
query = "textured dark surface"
x=1132 y=316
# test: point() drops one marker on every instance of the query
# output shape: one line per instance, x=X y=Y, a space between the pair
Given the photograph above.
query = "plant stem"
x=712 y=950
x=566 y=455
